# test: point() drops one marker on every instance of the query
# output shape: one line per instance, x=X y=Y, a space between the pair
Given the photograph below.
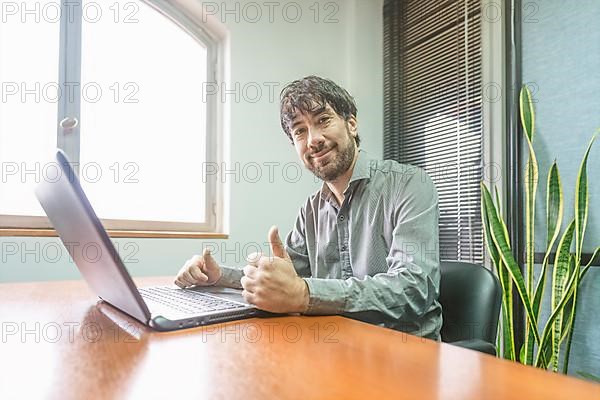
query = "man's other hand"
x=199 y=270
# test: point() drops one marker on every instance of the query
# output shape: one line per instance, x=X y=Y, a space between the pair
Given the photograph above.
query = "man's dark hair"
x=310 y=94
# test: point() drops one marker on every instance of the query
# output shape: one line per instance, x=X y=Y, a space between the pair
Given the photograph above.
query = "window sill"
x=118 y=234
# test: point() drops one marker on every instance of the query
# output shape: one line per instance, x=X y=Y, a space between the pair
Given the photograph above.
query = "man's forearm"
x=398 y=294
x=382 y=299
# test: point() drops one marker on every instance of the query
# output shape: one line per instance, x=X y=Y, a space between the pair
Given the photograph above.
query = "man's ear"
x=352 y=126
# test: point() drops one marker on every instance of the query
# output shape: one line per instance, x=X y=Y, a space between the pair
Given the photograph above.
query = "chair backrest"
x=470 y=296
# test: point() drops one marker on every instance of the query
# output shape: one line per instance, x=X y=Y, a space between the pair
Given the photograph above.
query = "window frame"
x=494 y=110
x=205 y=30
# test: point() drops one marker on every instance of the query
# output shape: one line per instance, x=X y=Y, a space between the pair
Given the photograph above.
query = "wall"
x=561 y=60
x=348 y=51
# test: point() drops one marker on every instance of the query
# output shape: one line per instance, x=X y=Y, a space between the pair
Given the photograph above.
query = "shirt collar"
x=362 y=170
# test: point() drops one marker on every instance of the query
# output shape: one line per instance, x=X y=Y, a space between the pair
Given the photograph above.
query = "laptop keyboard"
x=187 y=301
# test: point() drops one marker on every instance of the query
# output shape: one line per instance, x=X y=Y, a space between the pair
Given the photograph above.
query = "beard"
x=338 y=163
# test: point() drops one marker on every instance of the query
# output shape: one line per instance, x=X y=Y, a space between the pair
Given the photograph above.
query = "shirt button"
x=341 y=217
x=344 y=248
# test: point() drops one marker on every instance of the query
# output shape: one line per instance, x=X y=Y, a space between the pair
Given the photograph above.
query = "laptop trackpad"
x=222 y=292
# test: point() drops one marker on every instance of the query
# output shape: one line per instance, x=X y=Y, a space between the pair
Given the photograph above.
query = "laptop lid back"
x=87 y=242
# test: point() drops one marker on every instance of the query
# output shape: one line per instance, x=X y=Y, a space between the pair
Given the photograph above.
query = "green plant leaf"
x=581 y=214
x=507 y=293
x=562 y=254
x=491 y=247
x=560 y=276
x=522 y=355
x=554 y=214
x=589 y=264
x=547 y=333
x=531 y=177
x=508 y=340
x=501 y=241
x=499 y=212
x=581 y=201
x=508 y=328
x=554 y=206
x=569 y=310
x=568 y=326
x=561 y=264
x=527 y=112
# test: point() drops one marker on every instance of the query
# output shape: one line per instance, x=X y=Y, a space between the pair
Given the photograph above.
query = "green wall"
x=561 y=60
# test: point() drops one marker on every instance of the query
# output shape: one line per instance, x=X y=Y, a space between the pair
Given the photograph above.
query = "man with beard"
x=365 y=245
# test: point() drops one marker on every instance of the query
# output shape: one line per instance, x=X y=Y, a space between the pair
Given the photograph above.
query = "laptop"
x=163 y=308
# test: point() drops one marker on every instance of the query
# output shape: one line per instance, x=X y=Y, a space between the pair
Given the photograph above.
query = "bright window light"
x=28 y=108
x=143 y=118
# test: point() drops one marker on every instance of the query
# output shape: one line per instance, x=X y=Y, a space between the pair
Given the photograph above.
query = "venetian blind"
x=433 y=109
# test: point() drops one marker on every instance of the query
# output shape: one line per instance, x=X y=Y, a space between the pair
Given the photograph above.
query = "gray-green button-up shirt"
x=375 y=257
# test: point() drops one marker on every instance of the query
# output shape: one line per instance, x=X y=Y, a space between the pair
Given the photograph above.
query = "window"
x=25 y=140
x=121 y=87
x=433 y=109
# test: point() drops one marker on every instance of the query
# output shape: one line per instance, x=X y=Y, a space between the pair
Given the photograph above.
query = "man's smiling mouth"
x=320 y=154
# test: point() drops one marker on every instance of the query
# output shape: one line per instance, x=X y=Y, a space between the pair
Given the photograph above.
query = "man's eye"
x=299 y=132
x=323 y=120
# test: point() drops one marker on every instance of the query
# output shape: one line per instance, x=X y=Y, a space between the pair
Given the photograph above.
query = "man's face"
x=325 y=142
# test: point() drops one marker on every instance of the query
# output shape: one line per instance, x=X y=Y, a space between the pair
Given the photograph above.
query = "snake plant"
x=542 y=347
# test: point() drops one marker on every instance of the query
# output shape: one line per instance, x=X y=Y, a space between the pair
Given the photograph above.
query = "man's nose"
x=315 y=138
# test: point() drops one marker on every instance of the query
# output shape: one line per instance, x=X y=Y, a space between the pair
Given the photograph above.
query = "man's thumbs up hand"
x=271 y=283
x=277 y=247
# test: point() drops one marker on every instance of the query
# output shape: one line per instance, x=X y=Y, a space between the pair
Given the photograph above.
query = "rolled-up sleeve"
x=230 y=277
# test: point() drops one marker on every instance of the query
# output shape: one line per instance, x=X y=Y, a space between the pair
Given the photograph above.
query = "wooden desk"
x=56 y=342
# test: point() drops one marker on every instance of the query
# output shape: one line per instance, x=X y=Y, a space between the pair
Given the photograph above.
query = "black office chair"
x=470 y=296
